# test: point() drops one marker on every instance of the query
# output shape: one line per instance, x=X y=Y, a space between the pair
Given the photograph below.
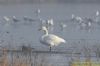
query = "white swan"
x=50 y=39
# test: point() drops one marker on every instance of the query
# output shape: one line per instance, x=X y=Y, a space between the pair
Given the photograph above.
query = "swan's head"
x=44 y=29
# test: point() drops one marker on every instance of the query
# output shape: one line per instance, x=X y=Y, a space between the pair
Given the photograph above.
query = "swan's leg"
x=50 y=48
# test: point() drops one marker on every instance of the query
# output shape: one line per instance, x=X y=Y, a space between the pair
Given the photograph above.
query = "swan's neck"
x=46 y=32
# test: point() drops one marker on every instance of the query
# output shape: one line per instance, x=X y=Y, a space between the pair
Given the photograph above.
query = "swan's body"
x=50 y=39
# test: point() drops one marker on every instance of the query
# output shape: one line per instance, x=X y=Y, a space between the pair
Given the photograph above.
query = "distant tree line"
x=49 y=1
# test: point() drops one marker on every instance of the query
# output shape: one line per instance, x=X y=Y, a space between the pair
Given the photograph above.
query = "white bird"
x=6 y=18
x=73 y=17
x=42 y=22
x=50 y=39
x=62 y=25
x=14 y=18
x=97 y=19
x=49 y=24
x=76 y=19
x=79 y=19
x=37 y=12
x=26 y=18
x=97 y=13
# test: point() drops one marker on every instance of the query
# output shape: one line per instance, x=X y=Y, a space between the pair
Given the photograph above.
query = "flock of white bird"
x=51 y=39
x=87 y=22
